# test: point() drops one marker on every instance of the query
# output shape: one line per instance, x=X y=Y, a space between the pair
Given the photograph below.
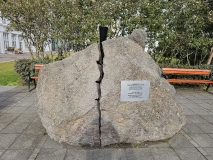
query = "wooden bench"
x=18 y=51
x=180 y=71
x=34 y=76
x=10 y=49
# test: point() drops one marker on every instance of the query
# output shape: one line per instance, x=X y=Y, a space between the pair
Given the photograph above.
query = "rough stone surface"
x=139 y=37
x=66 y=94
x=134 y=122
x=67 y=90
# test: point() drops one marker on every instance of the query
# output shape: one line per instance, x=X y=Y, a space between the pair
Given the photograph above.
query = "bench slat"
x=34 y=77
x=190 y=81
x=38 y=66
x=186 y=71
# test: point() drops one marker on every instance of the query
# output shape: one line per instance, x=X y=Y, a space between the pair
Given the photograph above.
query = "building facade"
x=12 y=39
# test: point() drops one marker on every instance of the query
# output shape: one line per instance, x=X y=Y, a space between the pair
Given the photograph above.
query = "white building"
x=12 y=39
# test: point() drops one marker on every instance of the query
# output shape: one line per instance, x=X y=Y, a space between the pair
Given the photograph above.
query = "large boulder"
x=77 y=110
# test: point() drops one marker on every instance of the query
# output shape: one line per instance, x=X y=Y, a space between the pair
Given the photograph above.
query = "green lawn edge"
x=8 y=76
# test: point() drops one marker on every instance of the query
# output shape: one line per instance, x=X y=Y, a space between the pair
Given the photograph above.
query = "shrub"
x=22 y=66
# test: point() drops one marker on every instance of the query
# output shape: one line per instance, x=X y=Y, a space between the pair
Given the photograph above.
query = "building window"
x=20 y=41
x=14 y=40
x=6 y=40
x=3 y=20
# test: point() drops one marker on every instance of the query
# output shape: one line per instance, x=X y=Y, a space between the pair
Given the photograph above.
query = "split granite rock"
x=67 y=95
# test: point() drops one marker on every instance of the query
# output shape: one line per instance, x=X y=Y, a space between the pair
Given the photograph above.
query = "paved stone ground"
x=12 y=57
x=22 y=136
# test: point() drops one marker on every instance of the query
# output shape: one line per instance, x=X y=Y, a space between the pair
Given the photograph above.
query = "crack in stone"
x=100 y=67
x=103 y=33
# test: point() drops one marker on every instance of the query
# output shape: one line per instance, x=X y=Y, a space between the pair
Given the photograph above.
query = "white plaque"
x=135 y=90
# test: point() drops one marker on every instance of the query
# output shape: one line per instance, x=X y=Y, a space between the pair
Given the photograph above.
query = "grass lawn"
x=8 y=76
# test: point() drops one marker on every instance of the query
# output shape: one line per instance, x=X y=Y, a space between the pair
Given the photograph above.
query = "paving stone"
x=209 y=96
x=29 y=99
x=188 y=111
x=6 y=103
x=192 y=128
x=203 y=140
x=201 y=112
x=32 y=96
x=206 y=127
x=202 y=151
x=200 y=96
x=164 y=154
x=14 y=99
x=189 y=154
x=192 y=106
x=180 y=131
x=6 y=88
x=50 y=143
x=1 y=152
x=188 y=96
x=206 y=105
x=183 y=101
x=25 y=118
x=7 y=94
x=108 y=154
x=98 y=154
x=6 y=140
x=209 y=101
x=209 y=158
x=22 y=94
x=24 y=104
x=73 y=154
x=35 y=128
x=2 y=125
x=3 y=98
x=188 y=121
x=16 y=155
x=209 y=151
x=15 y=128
x=26 y=142
x=51 y=154
x=37 y=120
x=196 y=119
x=2 y=108
x=179 y=141
x=30 y=110
x=158 y=145
x=198 y=101
x=211 y=135
x=208 y=118
x=8 y=117
x=19 y=89
x=16 y=110
x=139 y=153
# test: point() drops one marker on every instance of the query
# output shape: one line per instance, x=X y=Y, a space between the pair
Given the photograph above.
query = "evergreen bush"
x=22 y=66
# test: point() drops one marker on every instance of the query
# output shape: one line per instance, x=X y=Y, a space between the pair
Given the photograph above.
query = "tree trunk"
x=210 y=57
